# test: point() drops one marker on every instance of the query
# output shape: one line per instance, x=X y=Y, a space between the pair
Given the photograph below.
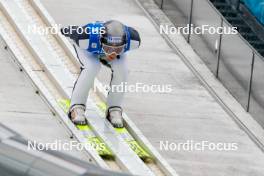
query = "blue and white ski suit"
x=91 y=57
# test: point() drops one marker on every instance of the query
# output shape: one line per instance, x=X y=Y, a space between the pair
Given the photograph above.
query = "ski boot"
x=76 y=114
x=114 y=115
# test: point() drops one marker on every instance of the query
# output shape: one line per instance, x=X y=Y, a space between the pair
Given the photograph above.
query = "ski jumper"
x=91 y=57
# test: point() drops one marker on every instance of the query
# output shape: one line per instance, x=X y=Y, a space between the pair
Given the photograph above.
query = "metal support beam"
x=190 y=22
x=161 y=4
x=219 y=49
x=250 y=81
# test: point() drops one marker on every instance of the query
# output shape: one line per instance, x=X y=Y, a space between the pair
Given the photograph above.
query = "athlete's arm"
x=134 y=38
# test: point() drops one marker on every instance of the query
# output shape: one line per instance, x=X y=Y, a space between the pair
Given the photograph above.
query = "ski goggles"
x=113 y=49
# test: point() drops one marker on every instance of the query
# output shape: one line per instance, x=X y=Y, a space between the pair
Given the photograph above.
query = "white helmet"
x=114 y=39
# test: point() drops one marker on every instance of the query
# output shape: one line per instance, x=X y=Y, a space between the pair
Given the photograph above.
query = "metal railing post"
x=190 y=22
x=219 y=49
x=161 y=5
x=237 y=5
x=250 y=81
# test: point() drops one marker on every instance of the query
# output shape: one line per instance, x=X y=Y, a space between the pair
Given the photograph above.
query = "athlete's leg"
x=119 y=76
x=89 y=69
x=115 y=98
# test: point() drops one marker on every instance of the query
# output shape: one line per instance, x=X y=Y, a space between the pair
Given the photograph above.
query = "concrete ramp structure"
x=38 y=70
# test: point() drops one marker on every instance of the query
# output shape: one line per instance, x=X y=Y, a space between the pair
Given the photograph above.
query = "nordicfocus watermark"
x=191 y=145
x=192 y=29
x=44 y=30
x=136 y=88
x=60 y=145
x=163 y=29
